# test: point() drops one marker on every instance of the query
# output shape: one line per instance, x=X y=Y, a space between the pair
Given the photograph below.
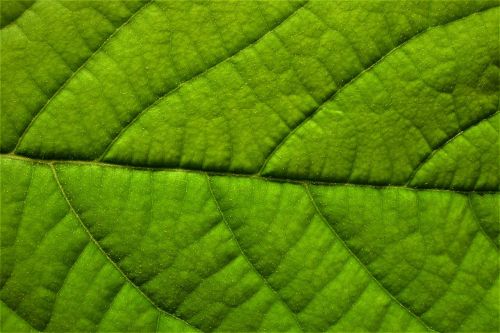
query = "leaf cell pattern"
x=196 y=166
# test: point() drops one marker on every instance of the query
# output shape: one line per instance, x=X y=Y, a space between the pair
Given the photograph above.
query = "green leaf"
x=186 y=166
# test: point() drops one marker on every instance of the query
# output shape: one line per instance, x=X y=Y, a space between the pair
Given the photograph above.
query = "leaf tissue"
x=249 y=166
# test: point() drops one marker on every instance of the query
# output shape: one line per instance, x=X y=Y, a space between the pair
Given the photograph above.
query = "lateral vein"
x=323 y=218
x=115 y=265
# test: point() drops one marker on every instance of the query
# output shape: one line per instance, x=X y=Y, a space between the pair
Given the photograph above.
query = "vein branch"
x=367 y=270
x=266 y=283
x=92 y=238
x=332 y=96
x=479 y=224
x=19 y=317
x=70 y=78
x=160 y=98
x=443 y=144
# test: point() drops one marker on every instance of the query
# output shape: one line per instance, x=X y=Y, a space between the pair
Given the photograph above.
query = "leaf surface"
x=174 y=166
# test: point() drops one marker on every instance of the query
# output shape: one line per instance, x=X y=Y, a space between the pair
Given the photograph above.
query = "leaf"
x=175 y=166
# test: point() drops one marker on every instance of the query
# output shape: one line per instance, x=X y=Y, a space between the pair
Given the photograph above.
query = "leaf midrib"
x=303 y=182
x=297 y=181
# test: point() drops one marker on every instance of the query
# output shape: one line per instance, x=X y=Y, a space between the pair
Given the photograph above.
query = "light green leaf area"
x=250 y=166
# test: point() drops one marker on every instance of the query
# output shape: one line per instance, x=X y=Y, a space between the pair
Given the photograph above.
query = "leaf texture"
x=248 y=166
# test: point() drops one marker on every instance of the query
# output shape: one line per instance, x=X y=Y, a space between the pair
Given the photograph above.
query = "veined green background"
x=249 y=166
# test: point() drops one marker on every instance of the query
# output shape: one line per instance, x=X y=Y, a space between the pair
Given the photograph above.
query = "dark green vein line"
x=13 y=20
x=242 y=175
x=334 y=93
x=180 y=85
x=19 y=317
x=264 y=280
x=479 y=224
x=68 y=80
x=443 y=144
x=115 y=265
x=336 y=235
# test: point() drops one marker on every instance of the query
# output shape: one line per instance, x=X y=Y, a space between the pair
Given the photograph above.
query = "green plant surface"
x=249 y=166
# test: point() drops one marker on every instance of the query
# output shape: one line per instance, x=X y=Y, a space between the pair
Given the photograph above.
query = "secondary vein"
x=266 y=283
x=323 y=218
x=443 y=144
x=180 y=85
x=479 y=224
x=115 y=265
x=332 y=96
x=73 y=74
